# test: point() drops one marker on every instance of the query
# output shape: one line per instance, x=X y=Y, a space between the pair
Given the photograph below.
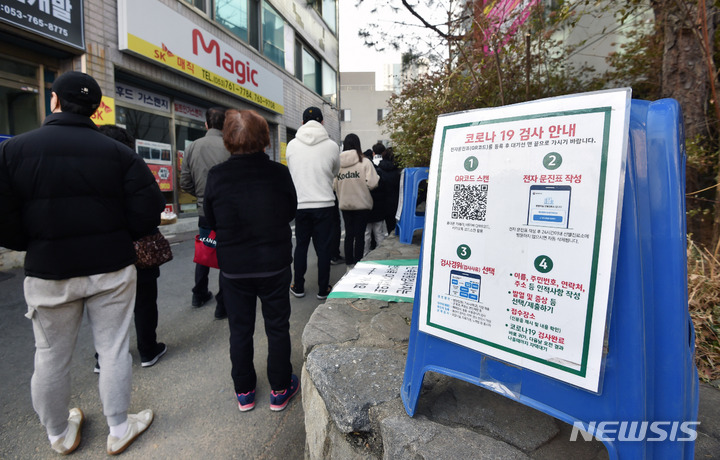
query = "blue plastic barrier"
x=650 y=374
x=410 y=220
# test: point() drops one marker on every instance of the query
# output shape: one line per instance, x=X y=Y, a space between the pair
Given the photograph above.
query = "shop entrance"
x=19 y=97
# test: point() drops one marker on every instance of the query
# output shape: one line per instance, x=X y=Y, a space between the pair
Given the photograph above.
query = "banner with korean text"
x=60 y=20
x=389 y=280
x=156 y=32
x=521 y=229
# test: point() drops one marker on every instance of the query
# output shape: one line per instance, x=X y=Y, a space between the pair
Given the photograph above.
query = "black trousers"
x=355 y=223
x=314 y=224
x=241 y=304
x=336 y=232
x=146 y=311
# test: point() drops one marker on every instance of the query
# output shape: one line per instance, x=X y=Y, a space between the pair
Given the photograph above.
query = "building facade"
x=363 y=107
x=162 y=63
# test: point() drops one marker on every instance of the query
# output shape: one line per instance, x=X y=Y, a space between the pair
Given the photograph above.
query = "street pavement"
x=190 y=388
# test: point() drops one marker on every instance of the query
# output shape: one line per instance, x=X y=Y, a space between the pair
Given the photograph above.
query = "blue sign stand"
x=650 y=374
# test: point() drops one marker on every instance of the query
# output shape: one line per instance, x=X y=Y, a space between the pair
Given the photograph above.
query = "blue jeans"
x=315 y=223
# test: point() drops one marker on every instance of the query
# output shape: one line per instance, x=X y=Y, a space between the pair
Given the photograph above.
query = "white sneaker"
x=137 y=423
x=71 y=440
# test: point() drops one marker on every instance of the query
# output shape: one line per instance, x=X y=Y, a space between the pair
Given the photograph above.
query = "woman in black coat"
x=250 y=201
x=390 y=177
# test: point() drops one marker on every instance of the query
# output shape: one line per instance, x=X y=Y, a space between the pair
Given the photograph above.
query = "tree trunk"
x=686 y=74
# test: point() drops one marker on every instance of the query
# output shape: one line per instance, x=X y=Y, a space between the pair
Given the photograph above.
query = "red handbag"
x=205 y=250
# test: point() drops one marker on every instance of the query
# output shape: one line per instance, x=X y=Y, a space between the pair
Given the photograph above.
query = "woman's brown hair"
x=245 y=131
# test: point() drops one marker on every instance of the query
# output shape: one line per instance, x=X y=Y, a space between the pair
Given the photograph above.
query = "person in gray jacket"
x=200 y=156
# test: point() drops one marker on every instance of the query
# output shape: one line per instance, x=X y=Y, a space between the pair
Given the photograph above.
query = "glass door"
x=19 y=98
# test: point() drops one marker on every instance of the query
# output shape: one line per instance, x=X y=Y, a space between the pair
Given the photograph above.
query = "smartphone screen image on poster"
x=549 y=206
x=465 y=285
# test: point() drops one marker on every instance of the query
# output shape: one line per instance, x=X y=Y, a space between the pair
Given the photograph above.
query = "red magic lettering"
x=241 y=69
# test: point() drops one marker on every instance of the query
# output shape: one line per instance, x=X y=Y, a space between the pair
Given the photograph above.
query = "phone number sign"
x=520 y=239
x=58 y=20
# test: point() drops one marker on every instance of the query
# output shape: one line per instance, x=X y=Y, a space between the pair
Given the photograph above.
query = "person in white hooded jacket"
x=353 y=183
x=313 y=160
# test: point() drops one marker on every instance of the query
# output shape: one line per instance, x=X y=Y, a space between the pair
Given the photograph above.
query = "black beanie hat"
x=312 y=113
x=78 y=88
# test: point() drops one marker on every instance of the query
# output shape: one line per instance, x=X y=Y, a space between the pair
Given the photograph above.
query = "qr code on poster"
x=469 y=202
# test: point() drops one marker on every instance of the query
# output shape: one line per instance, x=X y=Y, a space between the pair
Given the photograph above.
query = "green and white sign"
x=523 y=216
x=390 y=280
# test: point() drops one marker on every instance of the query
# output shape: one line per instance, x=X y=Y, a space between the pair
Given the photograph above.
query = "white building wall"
x=599 y=33
x=359 y=95
x=103 y=59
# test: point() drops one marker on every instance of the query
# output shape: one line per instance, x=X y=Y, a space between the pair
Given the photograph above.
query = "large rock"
x=351 y=380
x=359 y=322
x=329 y=324
x=420 y=438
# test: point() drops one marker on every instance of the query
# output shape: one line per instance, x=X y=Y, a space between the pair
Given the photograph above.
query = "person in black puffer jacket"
x=375 y=231
x=390 y=176
x=146 y=309
x=75 y=200
x=250 y=201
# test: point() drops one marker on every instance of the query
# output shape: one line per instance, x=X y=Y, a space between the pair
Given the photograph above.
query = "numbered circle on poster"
x=552 y=161
x=463 y=251
x=471 y=163
x=543 y=264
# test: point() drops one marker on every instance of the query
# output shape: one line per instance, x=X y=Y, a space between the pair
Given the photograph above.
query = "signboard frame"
x=49 y=20
x=194 y=51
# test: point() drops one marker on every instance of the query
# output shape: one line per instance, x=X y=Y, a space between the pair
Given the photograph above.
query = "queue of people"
x=75 y=197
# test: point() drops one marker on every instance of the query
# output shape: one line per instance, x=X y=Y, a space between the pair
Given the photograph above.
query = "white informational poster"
x=521 y=231
x=391 y=280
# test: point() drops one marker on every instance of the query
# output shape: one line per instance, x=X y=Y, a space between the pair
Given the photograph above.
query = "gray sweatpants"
x=56 y=310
